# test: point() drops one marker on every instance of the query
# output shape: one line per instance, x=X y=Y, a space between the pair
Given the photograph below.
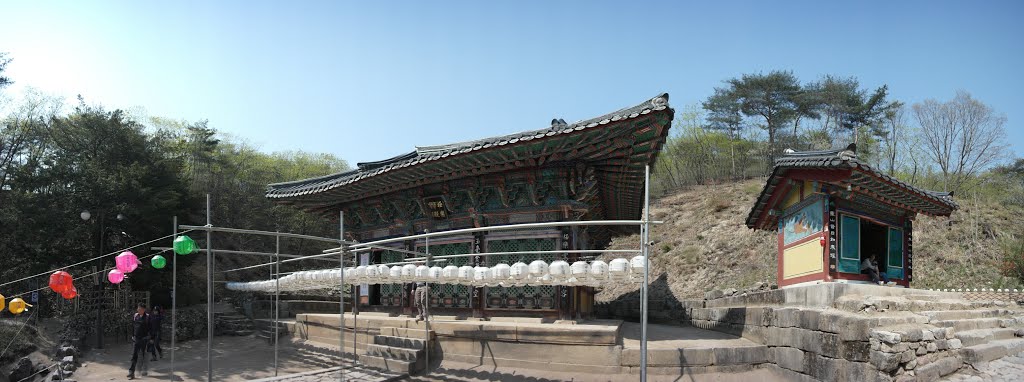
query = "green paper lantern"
x=158 y=262
x=184 y=245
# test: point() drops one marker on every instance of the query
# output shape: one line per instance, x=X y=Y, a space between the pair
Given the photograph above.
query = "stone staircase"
x=265 y=330
x=987 y=335
x=400 y=350
x=944 y=340
x=232 y=324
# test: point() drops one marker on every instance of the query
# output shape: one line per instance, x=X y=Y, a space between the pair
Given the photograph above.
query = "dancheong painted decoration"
x=588 y=170
x=837 y=216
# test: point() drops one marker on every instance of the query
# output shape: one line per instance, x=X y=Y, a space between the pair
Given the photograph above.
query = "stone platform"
x=591 y=346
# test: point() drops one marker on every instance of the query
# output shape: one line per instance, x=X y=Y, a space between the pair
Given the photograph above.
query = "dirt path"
x=235 y=359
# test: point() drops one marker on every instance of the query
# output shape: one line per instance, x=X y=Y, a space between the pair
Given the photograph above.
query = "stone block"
x=927 y=335
x=911 y=335
x=935 y=370
x=942 y=344
x=809 y=318
x=954 y=344
x=885 y=361
x=886 y=337
x=857 y=351
x=907 y=356
x=910 y=365
x=741 y=355
x=785 y=317
x=922 y=350
x=788 y=358
x=932 y=347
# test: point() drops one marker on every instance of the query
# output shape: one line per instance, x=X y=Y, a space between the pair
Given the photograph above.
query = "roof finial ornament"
x=558 y=122
x=660 y=100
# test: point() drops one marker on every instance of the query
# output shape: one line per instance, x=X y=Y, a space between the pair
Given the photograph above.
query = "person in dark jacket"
x=140 y=339
x=156 y=319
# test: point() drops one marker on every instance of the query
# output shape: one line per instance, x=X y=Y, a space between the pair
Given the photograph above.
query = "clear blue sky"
x=369 y=80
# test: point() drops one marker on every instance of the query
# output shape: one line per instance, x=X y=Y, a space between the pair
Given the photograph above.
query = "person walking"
x=140 y=340
x=421 y=297
x=155 y=328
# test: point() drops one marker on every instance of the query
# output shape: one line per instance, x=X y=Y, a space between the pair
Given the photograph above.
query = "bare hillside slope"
x=705 y=245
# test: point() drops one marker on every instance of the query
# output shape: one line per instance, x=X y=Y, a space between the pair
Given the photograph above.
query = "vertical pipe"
x=341 y=292
x=426 y=311
x=209 y=295
x=355 y=308
x=277 y=296
x=645 y=236
x=174 y=295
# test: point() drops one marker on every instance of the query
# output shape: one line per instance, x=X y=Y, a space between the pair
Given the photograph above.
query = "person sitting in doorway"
x=870 y=267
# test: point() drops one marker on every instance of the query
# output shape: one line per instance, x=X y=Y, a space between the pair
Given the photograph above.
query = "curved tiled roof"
x=426 y=154
x=931 y=202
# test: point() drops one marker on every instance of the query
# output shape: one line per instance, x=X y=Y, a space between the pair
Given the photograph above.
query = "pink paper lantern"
x=126 y=262
x=115 y=276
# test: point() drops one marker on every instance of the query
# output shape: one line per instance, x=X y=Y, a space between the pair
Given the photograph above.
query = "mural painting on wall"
x=803 y=223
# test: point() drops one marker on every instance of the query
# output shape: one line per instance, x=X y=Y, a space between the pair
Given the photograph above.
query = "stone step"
x=400 y=342
x=949 y=315
x=239 y=333
x=393 y=365
x=969 y=324
x=981 y=336
x=406 y=332
x=391 y=352
x=991 y=351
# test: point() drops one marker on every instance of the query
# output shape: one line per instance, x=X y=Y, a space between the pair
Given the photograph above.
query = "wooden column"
x=477 y=300
x=563 y=293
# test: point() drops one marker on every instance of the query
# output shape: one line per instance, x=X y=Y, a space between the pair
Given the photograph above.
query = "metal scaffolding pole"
x=645 y=233
x=174 y=295
x=355 y=308
x=209 y=295
x=277 y=298
x=341 y=292
x=426 y=311
x=258 y=232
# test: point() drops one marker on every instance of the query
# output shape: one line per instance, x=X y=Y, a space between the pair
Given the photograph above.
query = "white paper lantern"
x=519 y=271
x=384 y=272
x=481 y=275
x=580 y=270
x=408 y=272
x=618 y=270
x=465 y=274
x=450 y=274
x=435 y=274
x=599 y=270
x=538 y=268
x=371 y=272
x=395 y=274
x=422 y=273
x=559 y=270
x=501 y=272
x=638 y=264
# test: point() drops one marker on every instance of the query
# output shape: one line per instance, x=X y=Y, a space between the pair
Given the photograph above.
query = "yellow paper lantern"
x=18 y=306
x=3 y=302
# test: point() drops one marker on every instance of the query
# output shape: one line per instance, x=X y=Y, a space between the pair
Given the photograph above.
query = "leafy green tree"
x=772 y=98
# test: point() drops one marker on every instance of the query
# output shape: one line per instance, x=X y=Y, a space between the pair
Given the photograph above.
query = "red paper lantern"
x=60 y=281
x=70 y=293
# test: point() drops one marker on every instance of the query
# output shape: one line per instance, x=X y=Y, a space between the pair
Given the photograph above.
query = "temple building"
x=587 y=170
x=833 y=210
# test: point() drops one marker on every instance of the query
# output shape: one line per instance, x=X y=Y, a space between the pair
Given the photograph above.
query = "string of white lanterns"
x=538 y=272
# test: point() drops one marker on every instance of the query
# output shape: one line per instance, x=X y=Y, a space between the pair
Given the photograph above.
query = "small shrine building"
x=833 y=210
x=587 y=170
